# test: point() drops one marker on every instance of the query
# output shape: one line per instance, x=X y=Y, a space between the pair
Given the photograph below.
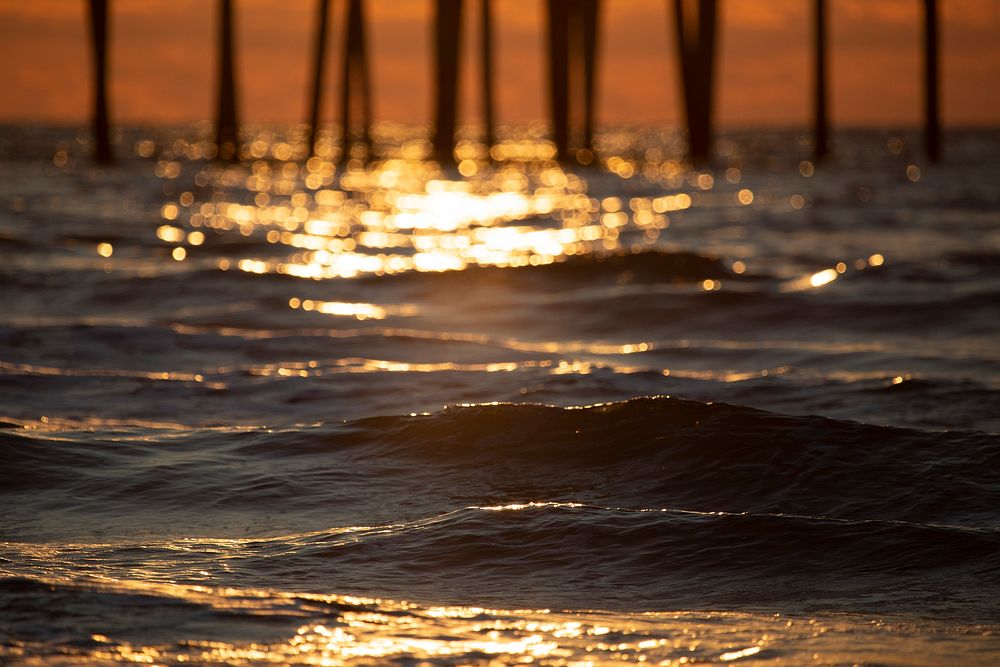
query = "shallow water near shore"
x=512 y=412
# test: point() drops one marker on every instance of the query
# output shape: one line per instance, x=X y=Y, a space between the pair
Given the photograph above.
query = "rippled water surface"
x=292 y=412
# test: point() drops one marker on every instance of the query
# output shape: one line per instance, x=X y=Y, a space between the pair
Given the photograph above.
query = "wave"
x=119 y=621
x=645 y=267
x=719 y=456
x=638 y=453
x=634 y=296
x=577 y=556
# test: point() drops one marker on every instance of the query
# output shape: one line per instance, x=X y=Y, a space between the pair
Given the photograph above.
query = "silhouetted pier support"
x=447 y=44
x=486 y=55
x=226 y=125
x=588 y=11
x=99 y=42
x=572 y=45
x=319 y=61
x=559 y=74
x=820 y=123
x=932 y=120
x=696 y=24
x=356 y=79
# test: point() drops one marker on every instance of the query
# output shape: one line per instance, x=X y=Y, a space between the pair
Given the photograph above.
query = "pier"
x=572 y=58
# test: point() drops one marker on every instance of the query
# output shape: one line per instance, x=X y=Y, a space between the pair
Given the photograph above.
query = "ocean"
x=508 y=412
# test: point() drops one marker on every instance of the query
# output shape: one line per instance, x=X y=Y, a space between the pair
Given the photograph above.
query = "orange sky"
x=162 y=61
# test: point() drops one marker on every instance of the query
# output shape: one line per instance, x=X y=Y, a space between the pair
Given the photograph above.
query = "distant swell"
x=714 y=456
x=649 y=452
x=649 y=266
x=582 y=557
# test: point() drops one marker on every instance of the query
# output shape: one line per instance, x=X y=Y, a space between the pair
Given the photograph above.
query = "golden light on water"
x=280 y=221
x=359 y=311
x=826 y=276
x=314 y=219
x=405 y=214
x=736 y=655
x=169 y=211
x=170 y=234
x=823 y=277
x=333 y=630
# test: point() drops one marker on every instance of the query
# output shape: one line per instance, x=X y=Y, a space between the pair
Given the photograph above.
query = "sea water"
x=505 y=412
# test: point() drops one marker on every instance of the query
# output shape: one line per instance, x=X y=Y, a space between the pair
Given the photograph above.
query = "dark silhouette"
x=588 y=13
x=99 y=42
x=820 y=123
x=572 y=47
x=932 y=127
x=486 y=53
x=559 y=74
x=573 y=37
x=447 y=41
x=447 y=44
x=319 y=60
x=226 y=125
x=355 y=76
x=696 y=46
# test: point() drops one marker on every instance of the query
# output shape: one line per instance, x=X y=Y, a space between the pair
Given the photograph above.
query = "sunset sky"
x=162 y=61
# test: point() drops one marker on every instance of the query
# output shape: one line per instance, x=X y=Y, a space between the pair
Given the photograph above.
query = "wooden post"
x=932 y=120
x=486 y=53
x=696 y=46
x=99 y=43
x=355 y=75
x=447 y=40
x=685 y=59
x=319 y=60
x=226 y=126
x=573 y=27
x=347 y=71
x=559 y=74
x=590 y=10
x=364 y=72
x=820 y=123
x=701 y=149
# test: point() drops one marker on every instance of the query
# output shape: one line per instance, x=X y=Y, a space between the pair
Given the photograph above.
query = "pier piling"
x=573 y=28
x=696 y=30
x=226 y=125
x=820 y=122
x=486 y=60
x=558 y=43
x=447 y=44
x=356 y=79
x=99 y=44
x=932 y=120
x=319 y=62
x=572 y=47
x=589 y=14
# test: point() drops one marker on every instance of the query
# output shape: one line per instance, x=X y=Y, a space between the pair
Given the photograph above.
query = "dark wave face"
x=643 y=505
x=285 y=411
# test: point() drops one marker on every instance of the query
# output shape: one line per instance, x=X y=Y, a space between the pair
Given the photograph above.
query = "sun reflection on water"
x=325 y=629
x=403 y=213
x=359 y=311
